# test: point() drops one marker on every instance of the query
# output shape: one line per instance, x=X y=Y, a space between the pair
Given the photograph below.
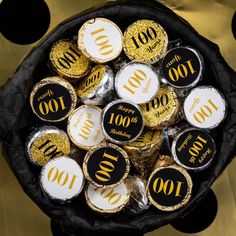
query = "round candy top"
x=62 y=178
x=145 y=41
x=136 y=82
x=182 y=67
x=53 y=99
x=106 y=166
x=107 y=200
x=122 y=122
x=193 y=149
x=84 y=126
x=100 y=40
x=169 y=188
x=163 y=110
x=205 y=107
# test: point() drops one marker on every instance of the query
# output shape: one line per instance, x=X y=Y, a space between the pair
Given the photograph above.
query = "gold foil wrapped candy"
x=163 y=110
x=67 y=61
x=145 y=41
x=45 y=143
x=143 y=152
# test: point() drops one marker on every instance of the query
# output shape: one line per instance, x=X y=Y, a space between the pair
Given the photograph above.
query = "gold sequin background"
x=212 y=18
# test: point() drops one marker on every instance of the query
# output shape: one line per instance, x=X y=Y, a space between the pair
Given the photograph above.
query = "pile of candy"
x=131 y=102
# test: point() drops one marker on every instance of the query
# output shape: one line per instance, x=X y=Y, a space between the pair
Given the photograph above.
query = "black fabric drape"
x=16 y=119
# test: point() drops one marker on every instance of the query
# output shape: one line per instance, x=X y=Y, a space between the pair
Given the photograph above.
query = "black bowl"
x=17 y=120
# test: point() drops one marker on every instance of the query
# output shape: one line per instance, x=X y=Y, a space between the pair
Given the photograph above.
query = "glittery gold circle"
x=67 y=60
x=47 y=145
x=145 y=41
x=89 y=83
x=163 y=110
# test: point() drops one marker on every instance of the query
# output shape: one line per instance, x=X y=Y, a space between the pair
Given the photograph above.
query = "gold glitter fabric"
x=89 y=83
x=47 y=145
x=68 y=61
x=163 y=110
x=145 y=41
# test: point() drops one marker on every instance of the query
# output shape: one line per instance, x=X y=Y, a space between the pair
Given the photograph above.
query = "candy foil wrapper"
x=173 y=130
x=119 y=62
x=145 y=41
x=67 y=61
x=53 y=99
x=164 y=160
x=138 y=202
x=45 y=143
x=98 y=87
x=144 y=151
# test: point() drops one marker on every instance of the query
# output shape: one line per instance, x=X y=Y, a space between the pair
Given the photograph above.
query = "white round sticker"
x=204 y=107
x=100 y=39
x=108 y=199
x=84 y=126
x=137 y=82
x=62 y=178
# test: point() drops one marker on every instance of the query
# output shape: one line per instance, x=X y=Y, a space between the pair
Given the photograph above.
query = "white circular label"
x=107 y=198
x=62 y=178
x=137 y=82
x=101 y=39
x=204 y=107
x=84 y=126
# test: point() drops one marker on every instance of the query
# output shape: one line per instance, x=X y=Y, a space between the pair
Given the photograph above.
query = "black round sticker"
x=122 y=122
x=52 y=102
x=106 y=166
x=168 y=187
x=193 y=149
x=182 y=67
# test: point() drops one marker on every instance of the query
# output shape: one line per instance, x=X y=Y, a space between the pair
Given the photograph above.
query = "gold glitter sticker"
x=48 y=146
x=145 y=41
x=163 y=110
x=89 y=83
x=67 y=60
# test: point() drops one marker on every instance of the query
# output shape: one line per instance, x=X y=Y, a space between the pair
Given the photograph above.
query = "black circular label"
x=52 y=102
x=168 y=187
x=122 y=122
x=106 y=166
x=194 y=148
x=181 y=67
